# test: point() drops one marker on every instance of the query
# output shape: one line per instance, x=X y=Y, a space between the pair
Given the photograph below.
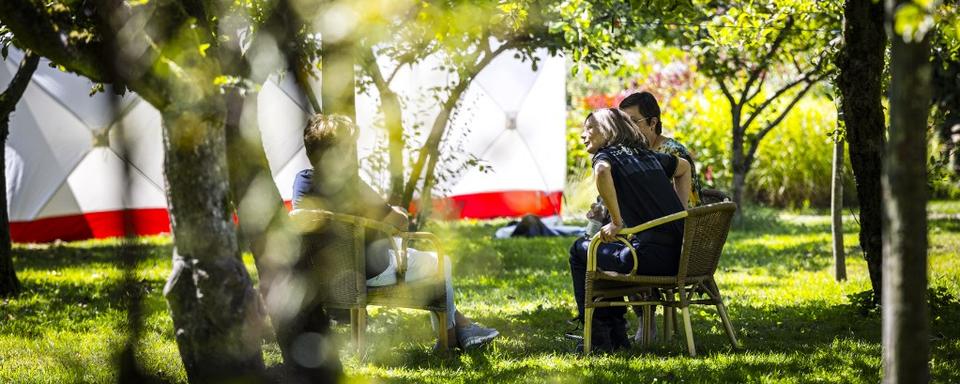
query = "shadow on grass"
x=59 y=256
x=80 y=299
x=944 y=224
x=788 y=340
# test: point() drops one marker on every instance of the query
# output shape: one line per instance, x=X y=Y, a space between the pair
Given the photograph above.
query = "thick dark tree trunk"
x=860 y=65
x=906 y=330
x=9 y=284
x=211 y=297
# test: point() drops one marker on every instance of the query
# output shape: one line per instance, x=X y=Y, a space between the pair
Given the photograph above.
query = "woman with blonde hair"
x=637 y=185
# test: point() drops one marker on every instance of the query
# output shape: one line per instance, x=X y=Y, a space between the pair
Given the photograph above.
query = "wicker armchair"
x=705 y=232
x=339 y=263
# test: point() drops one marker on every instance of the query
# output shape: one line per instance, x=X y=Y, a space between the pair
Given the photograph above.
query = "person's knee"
x=578 y=252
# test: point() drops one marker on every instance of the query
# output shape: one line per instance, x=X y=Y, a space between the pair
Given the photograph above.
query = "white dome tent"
x=513 y=118
x=65 y=177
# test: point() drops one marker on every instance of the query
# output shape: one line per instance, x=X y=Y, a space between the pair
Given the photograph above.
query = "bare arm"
x=608 y=193
x=682 y=181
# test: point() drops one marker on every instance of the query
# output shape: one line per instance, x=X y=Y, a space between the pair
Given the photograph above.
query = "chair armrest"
x=595 y=244
x=623 y=235
x=427 y=236
x=311 y=219
x=654 y=223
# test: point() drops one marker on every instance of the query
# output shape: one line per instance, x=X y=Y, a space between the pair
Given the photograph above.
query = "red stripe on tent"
x=489 y=205
x=154 y=221
x=91 y=225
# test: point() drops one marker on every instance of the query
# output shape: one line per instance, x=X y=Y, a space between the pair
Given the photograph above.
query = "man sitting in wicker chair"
x=334 y=184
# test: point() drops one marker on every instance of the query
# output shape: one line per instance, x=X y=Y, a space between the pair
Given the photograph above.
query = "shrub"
x=793 y=165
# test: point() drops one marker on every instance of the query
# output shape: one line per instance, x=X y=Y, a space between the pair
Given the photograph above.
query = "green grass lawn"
x=795 y=322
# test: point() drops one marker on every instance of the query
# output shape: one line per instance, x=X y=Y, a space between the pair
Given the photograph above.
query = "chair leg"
x=688 y=329
x=669 y=316
x=442 y=335
x=587 y=329
x=722 y=309
x=648 y=325
x=354 y=327
x=361 y=328
x=668 y=322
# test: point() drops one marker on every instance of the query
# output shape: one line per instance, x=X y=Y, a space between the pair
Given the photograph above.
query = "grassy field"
x=796 y=323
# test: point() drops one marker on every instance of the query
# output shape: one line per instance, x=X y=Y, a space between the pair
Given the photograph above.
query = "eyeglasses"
x=637 y=121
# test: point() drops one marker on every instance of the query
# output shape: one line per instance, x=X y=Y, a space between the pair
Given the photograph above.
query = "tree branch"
x=439 y=124
x=35 y=30
x=759 y=88
x=756 y=112
x=755 y=141
x=765 y=61
x=10 y=97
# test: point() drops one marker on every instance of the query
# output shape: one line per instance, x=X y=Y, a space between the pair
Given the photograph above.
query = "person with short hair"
x=644 y=111
x=334 y=184
x=637 y=185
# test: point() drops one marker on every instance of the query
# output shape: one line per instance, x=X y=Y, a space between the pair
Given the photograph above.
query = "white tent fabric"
x=65 y=171
x=511 y=117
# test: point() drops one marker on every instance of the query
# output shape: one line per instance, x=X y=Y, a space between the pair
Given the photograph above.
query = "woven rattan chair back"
x=705 y=232
x=334 y=252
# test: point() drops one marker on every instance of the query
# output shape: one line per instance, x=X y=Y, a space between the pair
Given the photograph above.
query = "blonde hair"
x=615 y=125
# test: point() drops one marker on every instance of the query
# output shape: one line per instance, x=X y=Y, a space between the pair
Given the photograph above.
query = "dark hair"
x=615 y=125
x=646 y=104
x=326 y=131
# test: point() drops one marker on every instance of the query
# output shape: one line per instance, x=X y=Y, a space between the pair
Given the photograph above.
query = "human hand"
x=609 y=232
x=596 y=212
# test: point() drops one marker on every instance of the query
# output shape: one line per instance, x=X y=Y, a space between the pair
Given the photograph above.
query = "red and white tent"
x=511 y=117
x=65 y=172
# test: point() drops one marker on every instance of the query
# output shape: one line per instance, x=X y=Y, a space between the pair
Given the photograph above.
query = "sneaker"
x=599 y=338
x=473 y=336
x=576 y=330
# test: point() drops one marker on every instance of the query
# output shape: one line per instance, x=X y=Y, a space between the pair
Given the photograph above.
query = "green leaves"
x=912 y=21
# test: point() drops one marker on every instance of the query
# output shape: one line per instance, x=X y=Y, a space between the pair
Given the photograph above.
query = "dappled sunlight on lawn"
x=795 y=322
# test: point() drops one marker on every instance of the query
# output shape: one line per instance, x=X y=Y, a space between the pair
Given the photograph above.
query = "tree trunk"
x=338 y=79
x=906 y=330
x=9 y=284
x=390 y=104
x=431 y=148
x=739 y=165
x=860 y=65
x=211 y=297
x=836 y=211
x=393 y=120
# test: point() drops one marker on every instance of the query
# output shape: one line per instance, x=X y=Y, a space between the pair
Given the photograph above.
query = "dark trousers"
x=652 y=259
x=610 y=257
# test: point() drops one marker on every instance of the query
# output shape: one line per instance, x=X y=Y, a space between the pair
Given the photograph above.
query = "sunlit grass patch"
x=796 y=323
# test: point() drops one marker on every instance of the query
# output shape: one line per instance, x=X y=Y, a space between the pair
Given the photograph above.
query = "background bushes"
x=793 y=166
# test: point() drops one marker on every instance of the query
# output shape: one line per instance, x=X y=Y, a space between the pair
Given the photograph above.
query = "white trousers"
x=420 y=265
